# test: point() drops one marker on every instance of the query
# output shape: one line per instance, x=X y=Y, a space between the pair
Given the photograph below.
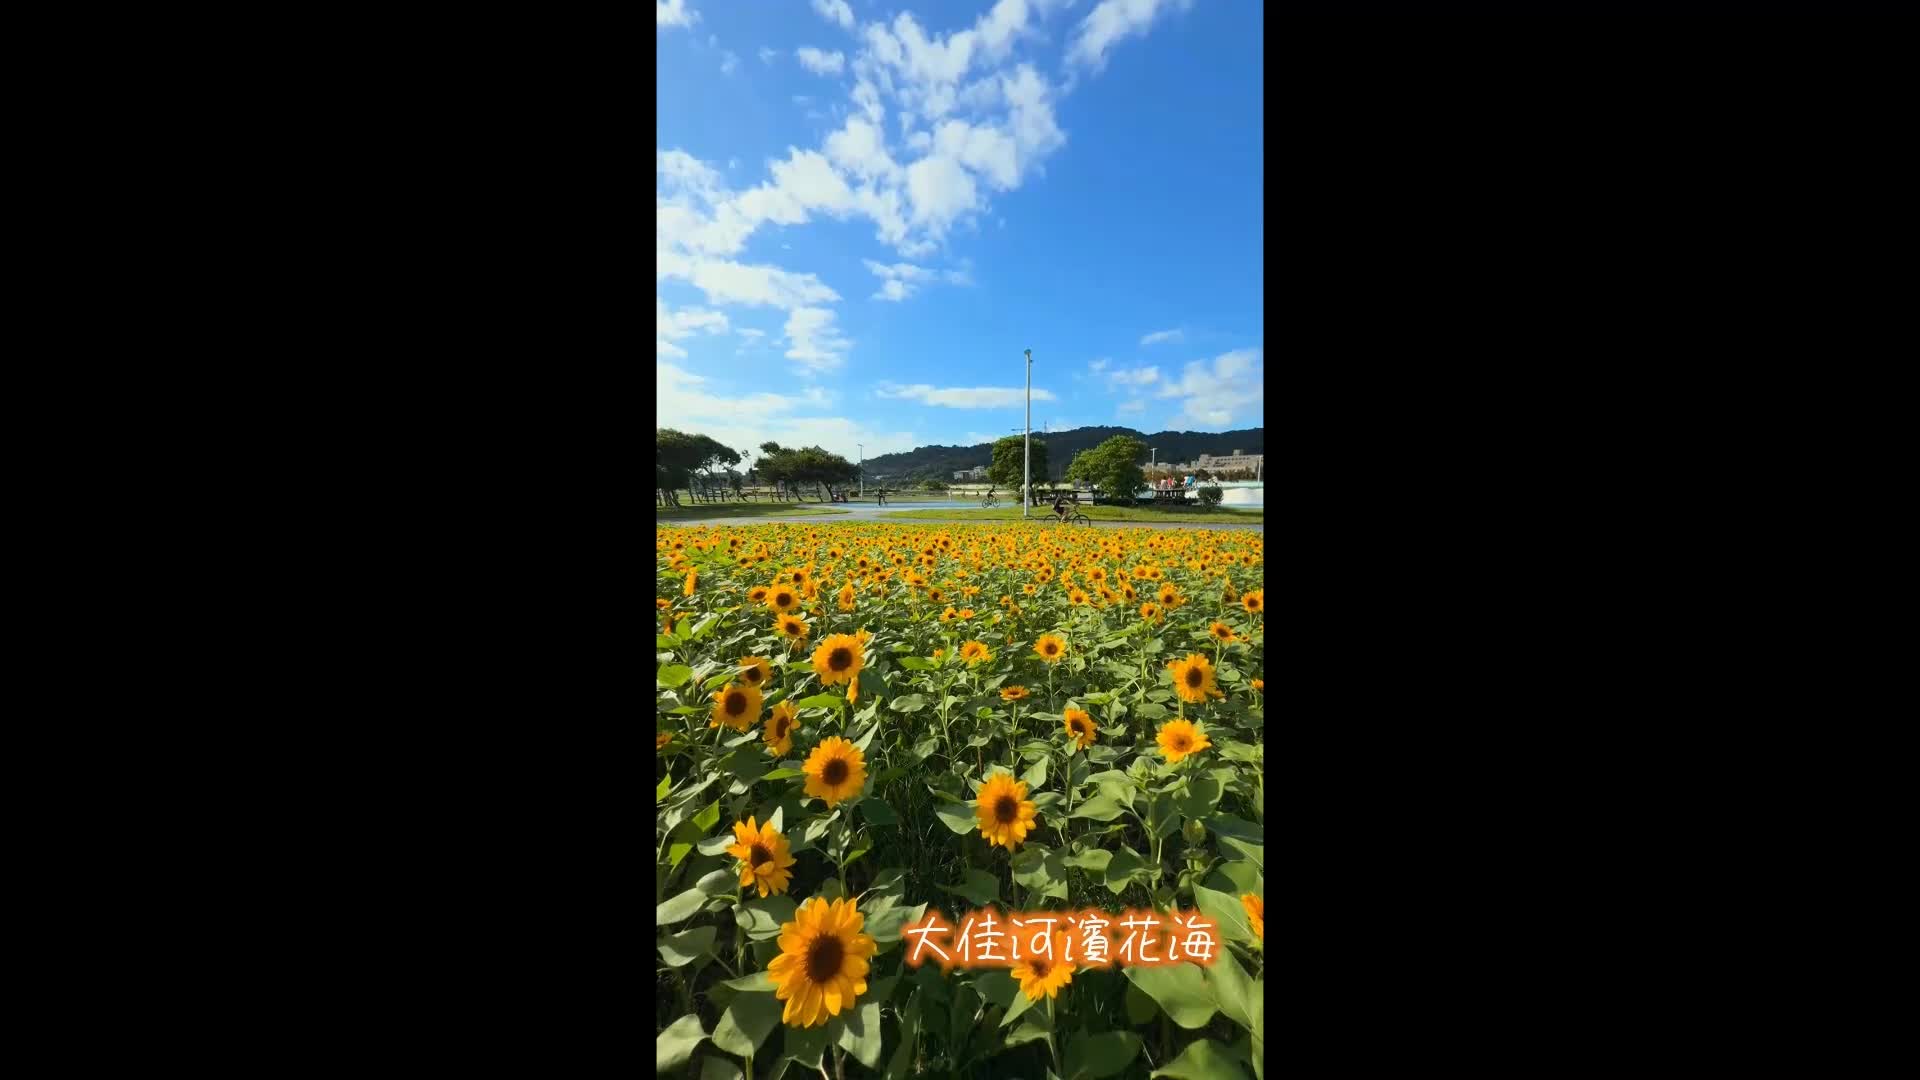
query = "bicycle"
x=1075 y=518
x=989 y=501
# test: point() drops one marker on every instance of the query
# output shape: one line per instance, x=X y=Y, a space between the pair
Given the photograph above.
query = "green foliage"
x=1008 y=468
x=1113 y=467
x=1210 y=496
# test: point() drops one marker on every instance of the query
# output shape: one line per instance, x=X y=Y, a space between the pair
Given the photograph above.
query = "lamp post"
x=863 y=467
x=1026 y=447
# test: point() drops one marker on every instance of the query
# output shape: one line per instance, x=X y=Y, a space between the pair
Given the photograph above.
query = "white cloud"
x=727 y=282
x=1136 y=405
x=674 y=13
x=1134 y=377
x=1111 y=21
x=693 y=403
x=860 y=148
x=1221 y=392
x=729 y=63
x=979 y=397
x=767 y=54
x=835 y=11
x=1163 y=337
x=902 y=280
x=815 y=341
x=1099 y=365
x=670 y=326
x=940 y=191
x=821 y=63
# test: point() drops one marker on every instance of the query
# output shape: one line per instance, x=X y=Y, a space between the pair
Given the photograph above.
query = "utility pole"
x=1026 y=447
x=863 y=467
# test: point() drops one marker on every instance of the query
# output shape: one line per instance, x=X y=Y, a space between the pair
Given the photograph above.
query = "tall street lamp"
x=1026 y=447
x=863 y=467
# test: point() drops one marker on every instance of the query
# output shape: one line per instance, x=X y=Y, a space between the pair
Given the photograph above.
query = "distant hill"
x=941 y=462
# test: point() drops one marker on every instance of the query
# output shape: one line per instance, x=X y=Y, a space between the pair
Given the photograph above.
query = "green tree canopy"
x=1006 y=468
x=1113 y=467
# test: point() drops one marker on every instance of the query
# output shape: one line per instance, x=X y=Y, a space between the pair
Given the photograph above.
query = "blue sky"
x=865 y=213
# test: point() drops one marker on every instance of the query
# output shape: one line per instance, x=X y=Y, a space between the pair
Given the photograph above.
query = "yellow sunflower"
x=1150 y=611
x=836 y=770
x=1012 y=693
x=846 y=597
x=1193 y=679
x=662 y=604
x=1256 y=913
x=762 y=851
x=693 y=576
x=1044 y=976
x=949 y=615
x=823 y=962
x=755 y=671
x=838 y=659
x=1006 y=814
x=935 y=596
x=1080 y=727
x=781 y=724
x=973 y=652
x=1221 y=632
x=1255 y=601
x=793 y=628
x=783 y=598
x=757 y=594
x=1051 y=647
x=661 y=740
x=1178 y=738
x=1259 y=685
x=735 y=706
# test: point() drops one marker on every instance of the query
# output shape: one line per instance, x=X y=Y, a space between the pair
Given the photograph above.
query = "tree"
x=676 y=455
x=1113 y=467
x=1210 y=496
x=1007 y=465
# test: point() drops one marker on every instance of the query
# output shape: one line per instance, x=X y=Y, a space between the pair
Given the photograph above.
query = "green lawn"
x=1097 y=513
x=739 y=510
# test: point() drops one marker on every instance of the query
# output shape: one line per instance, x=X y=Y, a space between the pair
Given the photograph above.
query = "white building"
x=971 y=474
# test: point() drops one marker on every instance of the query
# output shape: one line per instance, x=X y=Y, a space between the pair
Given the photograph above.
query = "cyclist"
x=1060 y=507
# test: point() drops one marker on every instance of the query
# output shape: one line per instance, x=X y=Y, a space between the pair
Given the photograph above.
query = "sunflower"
x=973 y=652
x=1254 y=601
x=1256 y=913
x=846 y=597
x=1029 y=588
x=836 y=770
x=755 y=671
x=949 y=615
x=823 y=962
x=1221 y=632
x=838 y=659
x=693 y=576
x=935 y=596
x=662 y=604
x=1005 y=812
x=1080 y=727
x=1043 y=976
x=661 y=740
x=1178 y=738
x=757 y=594
x=1077 y=598
x=781 y=723
x=763 y=856
x=783 y=598
x=1051 y=647
x=1150 y=611
x=966 y=613
x=1169 y=596
x=735 y=706
x=1193 y=679
x=1012 y=693
x=792 y=627
x=1259 y=685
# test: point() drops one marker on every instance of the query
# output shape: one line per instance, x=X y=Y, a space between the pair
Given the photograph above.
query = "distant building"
x=971 y=474
x=1235 y=460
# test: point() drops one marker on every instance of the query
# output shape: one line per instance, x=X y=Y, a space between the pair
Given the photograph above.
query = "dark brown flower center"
x=736 y=703
x=780 y=728
x=1182 y=743
x=840 y=659
x=823 y=958
x=835 y=773
x=1195 y=678
x=1040 y=968
x=783 y=599
x=758 y=854
x=751 y=675
x=1005 y=809
x=1052 y=648
x=1079 y=727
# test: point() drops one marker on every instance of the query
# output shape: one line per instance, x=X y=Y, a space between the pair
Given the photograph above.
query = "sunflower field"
x=864 y=727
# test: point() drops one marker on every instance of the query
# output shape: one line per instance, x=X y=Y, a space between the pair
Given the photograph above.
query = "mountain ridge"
x=940 y=462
